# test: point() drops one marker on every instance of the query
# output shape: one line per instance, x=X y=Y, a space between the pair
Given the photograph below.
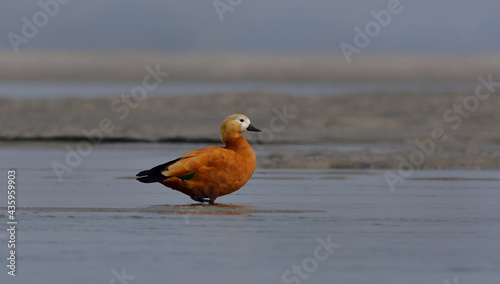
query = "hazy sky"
x=253 y=25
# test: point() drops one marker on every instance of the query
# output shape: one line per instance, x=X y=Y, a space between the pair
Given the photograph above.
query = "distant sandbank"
x=463 y=126
x=130 y=66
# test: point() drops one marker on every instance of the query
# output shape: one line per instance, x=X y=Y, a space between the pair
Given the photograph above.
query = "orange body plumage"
x=210 y=172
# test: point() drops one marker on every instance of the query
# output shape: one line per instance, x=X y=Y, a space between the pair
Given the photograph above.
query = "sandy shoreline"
x=366 y=119
x=292 y=67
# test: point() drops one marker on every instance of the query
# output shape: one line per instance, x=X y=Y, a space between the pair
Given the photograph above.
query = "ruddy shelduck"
x=210 y=172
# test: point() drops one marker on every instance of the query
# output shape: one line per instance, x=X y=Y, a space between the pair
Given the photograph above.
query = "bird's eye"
x=241 y=120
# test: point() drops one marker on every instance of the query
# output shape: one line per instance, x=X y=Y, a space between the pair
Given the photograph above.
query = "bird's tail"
x=146 y=178
x=155 y=174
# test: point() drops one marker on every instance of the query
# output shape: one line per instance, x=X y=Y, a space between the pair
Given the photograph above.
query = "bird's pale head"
x=236 y=124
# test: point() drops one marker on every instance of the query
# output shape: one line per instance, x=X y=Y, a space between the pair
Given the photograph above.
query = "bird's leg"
x=199 y=199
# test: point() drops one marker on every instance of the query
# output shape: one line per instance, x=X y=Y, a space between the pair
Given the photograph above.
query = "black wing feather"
x=154 y=174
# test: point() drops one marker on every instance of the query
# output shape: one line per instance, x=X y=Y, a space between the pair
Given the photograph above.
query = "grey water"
x=435 y=227
x=45 y=89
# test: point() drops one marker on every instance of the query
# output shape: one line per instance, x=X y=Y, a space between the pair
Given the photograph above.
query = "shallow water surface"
x=34 y=89
x=100 y=226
